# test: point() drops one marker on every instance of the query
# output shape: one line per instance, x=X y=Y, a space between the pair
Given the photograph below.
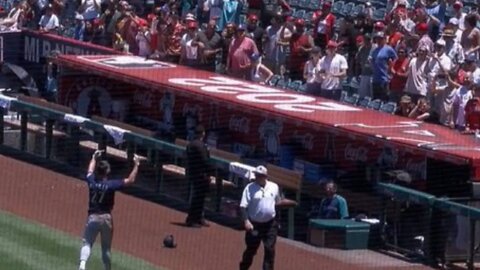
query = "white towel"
x=116 y=133
x=5 y=101
x=242 y=170
x=76 y=119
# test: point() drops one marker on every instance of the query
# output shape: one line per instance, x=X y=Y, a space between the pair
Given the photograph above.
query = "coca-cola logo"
x=239 y=124
x=356 y=153
x=417 y=169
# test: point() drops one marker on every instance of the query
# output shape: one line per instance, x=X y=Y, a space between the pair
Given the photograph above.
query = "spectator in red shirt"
x=472 y=112
x=398 y=69
x=323 y=22
x=175 y=31
x=241 y=48
x=301 y=44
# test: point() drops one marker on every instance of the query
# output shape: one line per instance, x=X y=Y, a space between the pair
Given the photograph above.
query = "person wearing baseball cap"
x=190 y=55
x=452 y=47
x=323 y=25
x=333 y=206
x=254 y=31
x=331 y=69
x=258 y=208
x=301 y=44
x=381 y=58
x=424 y=39
x=459 y=14
x=239 y=52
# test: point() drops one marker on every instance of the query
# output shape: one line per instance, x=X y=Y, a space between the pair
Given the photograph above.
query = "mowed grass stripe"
x=29 y=245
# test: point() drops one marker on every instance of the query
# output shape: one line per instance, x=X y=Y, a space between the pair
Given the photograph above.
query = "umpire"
x=258 y=203
x=198 y=173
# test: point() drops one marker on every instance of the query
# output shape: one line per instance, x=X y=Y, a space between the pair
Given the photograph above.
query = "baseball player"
x=100 y=204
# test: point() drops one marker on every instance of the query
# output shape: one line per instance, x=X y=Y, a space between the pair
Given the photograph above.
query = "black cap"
x=169 y=241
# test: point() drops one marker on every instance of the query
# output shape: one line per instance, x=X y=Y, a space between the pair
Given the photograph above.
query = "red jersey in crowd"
x=472 y=114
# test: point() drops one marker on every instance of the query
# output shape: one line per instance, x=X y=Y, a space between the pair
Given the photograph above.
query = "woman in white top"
x=314 y=84
x=460 y=98
x=417 y=75
x=259 y=72
x=90 y=9
x=14 y=19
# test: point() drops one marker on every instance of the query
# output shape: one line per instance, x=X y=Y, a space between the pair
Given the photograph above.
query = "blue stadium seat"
x=337 y=7
x=389 y=107
x=302 y=88
x=282 y=83
x=353 y=99
x=274 y=80
x=294 y=85
x=308 y=17
x=343 y=96
x=299 y=14
x=347 y=9
x=363 y=102
x=379 y=14
x=375 y=104
x=358 y=9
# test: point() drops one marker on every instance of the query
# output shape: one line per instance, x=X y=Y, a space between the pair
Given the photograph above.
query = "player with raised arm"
x=101 y=200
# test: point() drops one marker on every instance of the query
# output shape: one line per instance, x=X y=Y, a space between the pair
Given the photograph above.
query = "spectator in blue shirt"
x=333 y=206
x=380 y=58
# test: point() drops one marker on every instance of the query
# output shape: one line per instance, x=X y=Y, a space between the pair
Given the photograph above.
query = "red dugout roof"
x=434 y=140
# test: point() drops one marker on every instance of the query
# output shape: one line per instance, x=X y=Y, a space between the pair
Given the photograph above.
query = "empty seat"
x=363 y=102
x=273 y=81
x=375 y=104
x=294 y=85
x=353 y=99
x=389 y=107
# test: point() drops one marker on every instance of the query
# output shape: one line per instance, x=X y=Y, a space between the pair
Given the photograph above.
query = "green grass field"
x=25 y=245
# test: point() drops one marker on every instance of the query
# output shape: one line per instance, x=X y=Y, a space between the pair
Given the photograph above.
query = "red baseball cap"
x=300 y=22
x=379 y=26
x=332 y=44
x=253 y=17
x=192 y=25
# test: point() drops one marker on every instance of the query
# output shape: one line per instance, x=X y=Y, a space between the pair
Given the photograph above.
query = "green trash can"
x=339 y=233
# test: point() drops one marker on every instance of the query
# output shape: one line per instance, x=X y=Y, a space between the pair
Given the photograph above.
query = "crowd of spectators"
x=421 y=55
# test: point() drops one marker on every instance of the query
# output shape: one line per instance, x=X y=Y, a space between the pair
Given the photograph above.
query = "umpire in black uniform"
x=198 y=173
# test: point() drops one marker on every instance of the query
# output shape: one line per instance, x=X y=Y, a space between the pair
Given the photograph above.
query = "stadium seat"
x=343 y=96
x=281 y=83
x=353 y=99
x=300 y=13
x=294 y=85
x=363 y=102
x=302 y=88
x=347 y=9
x=389 y=107
x=274 y=80
x=358 y=9
x=303 y=3
x=337 y=7
x=314 y=5
x=294 y=3
x=379 y=14
x=375 y=104
x=308 y=17
x=449 y=12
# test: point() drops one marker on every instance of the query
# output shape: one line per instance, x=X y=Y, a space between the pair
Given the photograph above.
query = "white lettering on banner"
x=322 y=106
x=204 y=82
x=422 y=132
x=35 y=48
x=222 y=89
x=356 y=154
x=273 y=98
x=239 y=124
x=401 y=124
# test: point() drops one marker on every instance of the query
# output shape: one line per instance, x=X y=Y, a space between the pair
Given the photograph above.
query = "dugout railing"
x=396 y=194
x=29 y=115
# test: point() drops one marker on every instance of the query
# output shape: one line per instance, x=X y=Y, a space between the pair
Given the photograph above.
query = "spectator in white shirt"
x=331 y=69
x=90 y=9
x=459 y=98
x=143 y=39
x=459 y=14
x=49 y=22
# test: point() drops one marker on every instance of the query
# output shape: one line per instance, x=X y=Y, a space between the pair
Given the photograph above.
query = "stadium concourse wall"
x=29 y=49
